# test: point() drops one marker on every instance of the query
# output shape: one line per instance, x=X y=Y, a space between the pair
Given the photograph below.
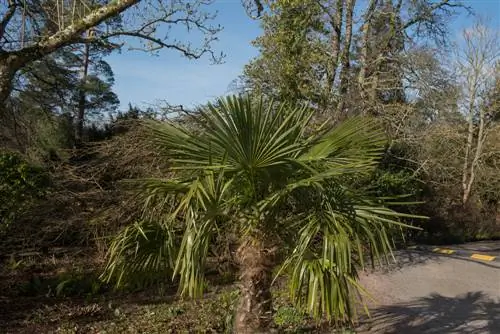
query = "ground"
x=436 y=293
x=424 y=292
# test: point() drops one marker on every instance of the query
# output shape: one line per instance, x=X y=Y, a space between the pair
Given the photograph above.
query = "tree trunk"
x=467 y=170
x=80 y=117
x=254 y=313
x=481 y=138
x=8 y=68
x=6 y=77
x=336 y=24
x=363 y=57
x=346 y=52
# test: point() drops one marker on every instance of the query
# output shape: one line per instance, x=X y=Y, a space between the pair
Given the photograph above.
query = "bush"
x=67 y=284
x=397 y=180
x=20 y=185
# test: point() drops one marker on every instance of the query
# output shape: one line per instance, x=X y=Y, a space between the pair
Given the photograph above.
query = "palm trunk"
x=254 y=313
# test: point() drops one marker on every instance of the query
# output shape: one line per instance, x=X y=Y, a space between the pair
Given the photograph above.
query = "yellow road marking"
x=443 y=251
x=482 y=257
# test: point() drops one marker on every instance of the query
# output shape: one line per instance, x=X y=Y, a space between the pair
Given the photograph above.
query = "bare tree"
x=389 y=29
x=32 y=29
x=476 y=63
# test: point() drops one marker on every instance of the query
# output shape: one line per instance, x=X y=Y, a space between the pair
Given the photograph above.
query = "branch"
x=186 y=51
x=370 y=11
x=252 y=6
x=7 y=17
x=73 y=32
x=424 y=15
x=187 y=20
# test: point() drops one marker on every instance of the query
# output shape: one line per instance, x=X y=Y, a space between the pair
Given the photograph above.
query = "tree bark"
x=336 y=24
x=481 y=138
x=254 y=313
x=80 y=117
x=6 y=77
x=479 y=55
x=363 y=58
x=9 y=65
x=468 y=151
x=346 y=52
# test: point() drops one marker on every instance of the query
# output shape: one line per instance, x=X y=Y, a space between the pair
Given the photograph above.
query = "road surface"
x=428 y=292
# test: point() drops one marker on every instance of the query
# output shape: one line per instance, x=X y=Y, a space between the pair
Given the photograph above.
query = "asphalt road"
x=425 y=292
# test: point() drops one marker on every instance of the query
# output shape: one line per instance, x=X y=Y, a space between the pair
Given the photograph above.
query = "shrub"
x=20 y=185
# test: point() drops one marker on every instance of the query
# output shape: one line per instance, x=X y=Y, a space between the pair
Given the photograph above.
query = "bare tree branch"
x=9 y=14
x=45 y=27
x=186 y=51
x=427 y=12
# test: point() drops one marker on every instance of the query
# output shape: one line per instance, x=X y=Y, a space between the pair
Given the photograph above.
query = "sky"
x=143 y=79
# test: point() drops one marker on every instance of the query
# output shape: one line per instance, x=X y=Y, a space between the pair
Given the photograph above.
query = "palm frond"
x=332 y=247
x=237 y=133
x=190 y=263
x=204 y=206
x=142 y=252
x=354 y=146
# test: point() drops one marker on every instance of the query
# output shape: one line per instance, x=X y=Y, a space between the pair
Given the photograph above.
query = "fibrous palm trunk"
x=254 y=313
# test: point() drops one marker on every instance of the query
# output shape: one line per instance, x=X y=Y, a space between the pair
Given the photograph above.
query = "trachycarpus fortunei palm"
x=258 y=169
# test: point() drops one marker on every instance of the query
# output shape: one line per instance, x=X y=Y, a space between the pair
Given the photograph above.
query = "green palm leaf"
x=141 y=253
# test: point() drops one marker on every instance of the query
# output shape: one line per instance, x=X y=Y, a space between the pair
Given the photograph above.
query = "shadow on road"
x=402 y=259
x=473 y=312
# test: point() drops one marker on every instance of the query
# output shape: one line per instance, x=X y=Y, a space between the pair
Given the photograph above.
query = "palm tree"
x=258 y=170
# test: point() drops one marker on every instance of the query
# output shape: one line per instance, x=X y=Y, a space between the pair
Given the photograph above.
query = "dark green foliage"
x=69 y=284
x=20 y=185
x=53 y=84
x=293 y=56
x=52 y=99
x=397 y=175
x=395 y=183
x=144 y=252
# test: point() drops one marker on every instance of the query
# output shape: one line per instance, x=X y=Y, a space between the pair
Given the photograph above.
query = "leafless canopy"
x=32 y=29
x=27 y=23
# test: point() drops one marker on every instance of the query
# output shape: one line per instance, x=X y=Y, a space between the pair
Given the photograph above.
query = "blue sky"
x=144 y=79
x=141 y=78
